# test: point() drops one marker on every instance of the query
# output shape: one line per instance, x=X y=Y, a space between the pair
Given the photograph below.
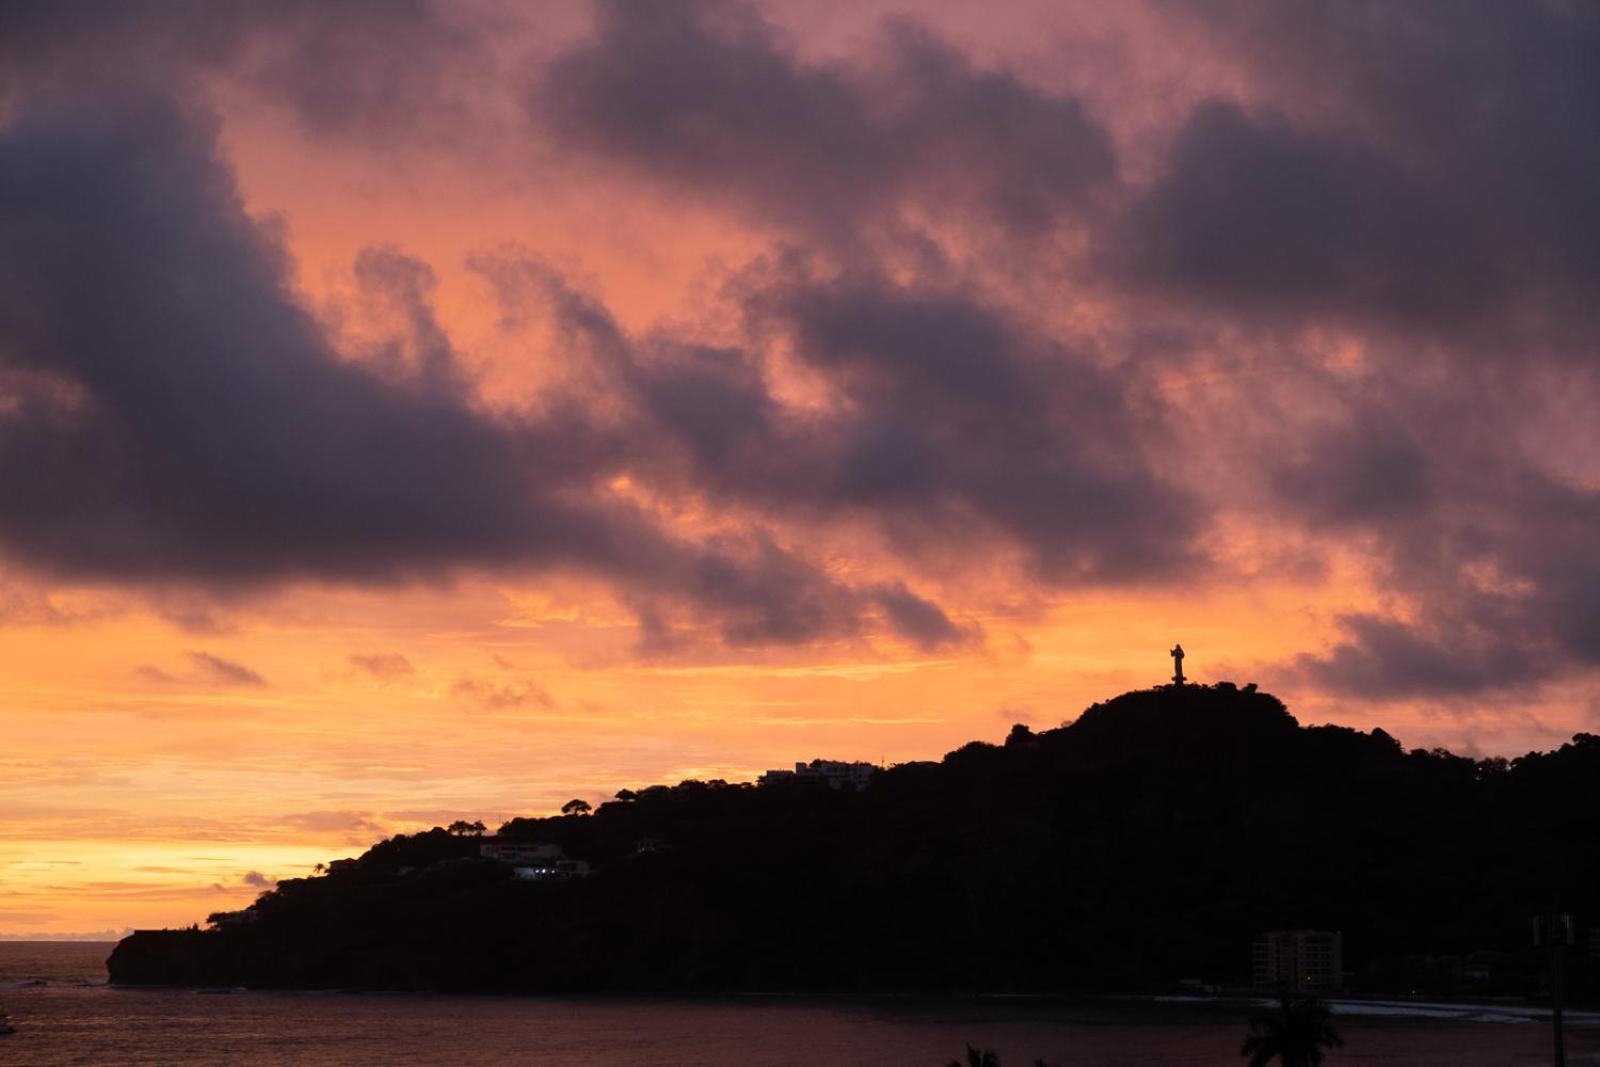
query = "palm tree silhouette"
x=976 y=1058
x=1294 y=1034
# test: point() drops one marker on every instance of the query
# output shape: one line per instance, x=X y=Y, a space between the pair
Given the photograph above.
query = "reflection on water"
x=65 y=1014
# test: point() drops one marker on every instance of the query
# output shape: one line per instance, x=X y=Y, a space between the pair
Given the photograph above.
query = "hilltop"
x=1146 y=841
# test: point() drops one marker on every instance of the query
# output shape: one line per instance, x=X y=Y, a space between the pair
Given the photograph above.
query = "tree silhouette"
x=975 y=1058
x=1001 y=867
x=1295 y=1033
x=461 y=828
x=575 y=806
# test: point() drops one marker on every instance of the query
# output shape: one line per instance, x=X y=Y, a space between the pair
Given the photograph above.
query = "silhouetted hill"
x=1145 y=842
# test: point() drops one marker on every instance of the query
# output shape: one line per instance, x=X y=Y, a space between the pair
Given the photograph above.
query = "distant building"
x=1298 y=961
x=837 y=773
x=520 y=853
x=552 y=871
x=342 y=866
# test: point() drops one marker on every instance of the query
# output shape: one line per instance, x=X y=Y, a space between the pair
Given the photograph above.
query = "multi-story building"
x=837 y=773
x=1298 y=961
x=520 y=852
x=552 y=871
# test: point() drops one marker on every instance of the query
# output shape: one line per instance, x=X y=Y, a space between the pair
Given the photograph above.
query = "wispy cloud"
x=220 y=671
x=384 y=666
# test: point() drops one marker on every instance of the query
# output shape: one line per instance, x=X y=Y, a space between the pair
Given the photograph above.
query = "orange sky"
x=174 y=744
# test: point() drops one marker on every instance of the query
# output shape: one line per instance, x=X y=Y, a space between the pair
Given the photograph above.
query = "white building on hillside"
x=520 y=853
x=553 y=871
x=837 y=773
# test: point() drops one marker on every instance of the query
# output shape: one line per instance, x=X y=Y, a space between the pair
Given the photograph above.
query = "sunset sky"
x=417 y=411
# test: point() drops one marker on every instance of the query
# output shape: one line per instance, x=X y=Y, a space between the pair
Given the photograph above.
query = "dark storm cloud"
x=1385 y=659
x=766 y=595
x=1548 y=547
x=1262 y=217
x=1441 y=170
x=403 y=286
x=197 y=426
x=714 y=402
x=782 y=600
x=956 y=356
x=955 y=404
x=360 y=67
x=1372 y=472
x=1417 y=180
x=1421 y=176
x=955 y=424
x=209 y=431
x=711 y=98
x=921 y=621
x=1496 y=558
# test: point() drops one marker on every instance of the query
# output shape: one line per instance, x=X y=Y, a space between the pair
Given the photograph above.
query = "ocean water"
x=64 y=1012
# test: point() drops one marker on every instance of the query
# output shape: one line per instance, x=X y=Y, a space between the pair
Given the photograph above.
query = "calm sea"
x=64 y=1012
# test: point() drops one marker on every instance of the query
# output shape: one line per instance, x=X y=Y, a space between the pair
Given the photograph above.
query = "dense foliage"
x=1295 y=1033
x=1148 y=841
